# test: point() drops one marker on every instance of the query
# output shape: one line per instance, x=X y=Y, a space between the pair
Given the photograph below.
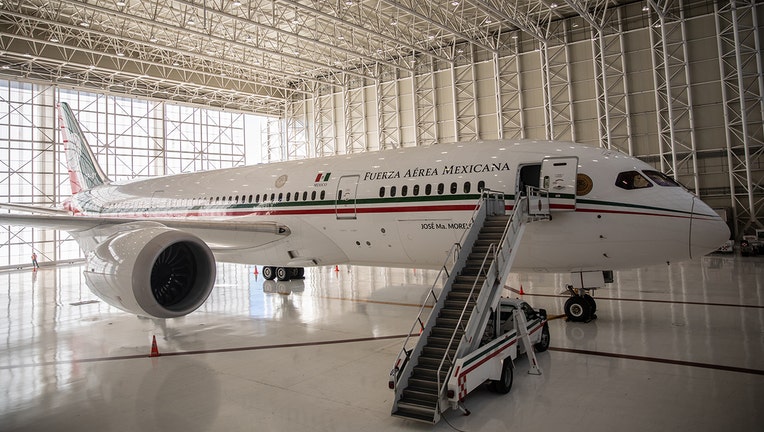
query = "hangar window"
x=393 y=191
x=428 y=189
x=441 y=188
x=632 y=180
x=404 y=190
x=661 y=179
x=454 y=188
x=382 y=192
x=416 y=190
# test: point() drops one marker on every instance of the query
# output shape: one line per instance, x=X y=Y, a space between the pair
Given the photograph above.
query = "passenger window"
x=481 y=186
x=313 y=195
x=454 y=188
x=392 y=191
x=632 y=180
x=250 y=200
x=257 y=198
x=661 y=179
x=467 y=187
x=404 y=190
x=281 y=196
x=237 y=199
x=288 y=197
x=416 y=190
x=296 y=196
x=428 y=189
x=441 y=188
x=382 y=192
x=305 y=196
x=323 y=194
x=273 y=197
x=217 y=199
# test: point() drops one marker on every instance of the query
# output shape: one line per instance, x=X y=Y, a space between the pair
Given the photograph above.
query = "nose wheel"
x=580 y=307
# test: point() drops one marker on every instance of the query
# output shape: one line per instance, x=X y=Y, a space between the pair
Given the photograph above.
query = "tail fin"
x=84 y=172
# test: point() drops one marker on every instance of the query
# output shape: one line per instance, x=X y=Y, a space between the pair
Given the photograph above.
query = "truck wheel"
x=543 y=344
x=269 y=273
x=504 y=385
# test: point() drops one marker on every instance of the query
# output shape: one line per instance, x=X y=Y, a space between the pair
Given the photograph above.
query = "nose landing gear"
x=580 y=307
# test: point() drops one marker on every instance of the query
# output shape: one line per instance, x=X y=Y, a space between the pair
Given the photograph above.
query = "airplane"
x=151 y=244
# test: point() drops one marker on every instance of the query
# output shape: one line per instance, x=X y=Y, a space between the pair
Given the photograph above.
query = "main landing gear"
x=580 y=307
x=283 y=273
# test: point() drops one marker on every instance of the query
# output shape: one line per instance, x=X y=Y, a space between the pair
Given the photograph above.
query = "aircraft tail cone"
x=521 y=290
x=154 y=348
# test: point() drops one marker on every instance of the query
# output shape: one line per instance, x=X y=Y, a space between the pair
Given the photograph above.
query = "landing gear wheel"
x=504 y=385
x=283 y=273
x=543 y=344
x=577 y=309
x=269 y=273
x=592 y=305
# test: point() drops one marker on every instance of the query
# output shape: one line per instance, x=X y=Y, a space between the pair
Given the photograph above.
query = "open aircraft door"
x=558 y=177
x=345 y=206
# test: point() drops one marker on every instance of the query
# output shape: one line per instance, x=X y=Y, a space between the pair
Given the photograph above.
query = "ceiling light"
x=175 y=64
x=236 y=3
x=84 y=24
x=553 y=6
x=121 y=3
x=153 y=39
x=454 y=3
x=348 y=3
x=340 y=37
x=53 y=39
x=6 y=67
x=488 y=21
x=120 y=54
x=394 y=22
x=431 y=37
x=92 y=67
x=514 y=36
x=190 y=21
x=295 y=21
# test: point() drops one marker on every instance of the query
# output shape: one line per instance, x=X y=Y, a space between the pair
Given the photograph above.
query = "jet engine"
x=152 y=271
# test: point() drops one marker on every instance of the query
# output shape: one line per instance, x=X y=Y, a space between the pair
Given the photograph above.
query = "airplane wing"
x=34 y=209
x=217 y=233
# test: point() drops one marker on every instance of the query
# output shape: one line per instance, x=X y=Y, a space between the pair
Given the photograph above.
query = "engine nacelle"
x=154 y=271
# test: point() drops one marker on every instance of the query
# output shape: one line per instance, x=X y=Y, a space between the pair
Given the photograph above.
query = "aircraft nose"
x=707 y=230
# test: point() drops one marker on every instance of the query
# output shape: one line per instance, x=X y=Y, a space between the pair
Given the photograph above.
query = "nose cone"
x=707 y=230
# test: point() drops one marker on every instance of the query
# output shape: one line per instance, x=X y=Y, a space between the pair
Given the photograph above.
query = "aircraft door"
x=558 y=177
x=345 y=205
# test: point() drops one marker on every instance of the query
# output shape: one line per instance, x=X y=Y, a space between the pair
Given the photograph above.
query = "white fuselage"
x=407 y=207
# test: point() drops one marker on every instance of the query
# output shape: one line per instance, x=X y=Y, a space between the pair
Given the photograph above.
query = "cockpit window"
x=632 y=180
x=661 y=179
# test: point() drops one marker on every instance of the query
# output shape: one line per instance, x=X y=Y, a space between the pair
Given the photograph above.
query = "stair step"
x=445 y=333
x=429 y=372
x=438 y=352
x=415 y=411
x=423 y=383
x=421 y=396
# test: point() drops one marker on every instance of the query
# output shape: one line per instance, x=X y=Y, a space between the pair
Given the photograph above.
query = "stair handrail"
x=450 y=256
x=496 y=251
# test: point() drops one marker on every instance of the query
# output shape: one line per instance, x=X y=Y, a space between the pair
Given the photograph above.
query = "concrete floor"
x=677 y=347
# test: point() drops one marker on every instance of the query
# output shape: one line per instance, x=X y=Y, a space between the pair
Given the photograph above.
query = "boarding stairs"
x=474 y=277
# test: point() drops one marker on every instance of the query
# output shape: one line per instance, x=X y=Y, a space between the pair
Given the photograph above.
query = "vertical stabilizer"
x=84 y=172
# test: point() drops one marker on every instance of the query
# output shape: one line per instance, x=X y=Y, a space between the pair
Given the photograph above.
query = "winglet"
x=84 y=172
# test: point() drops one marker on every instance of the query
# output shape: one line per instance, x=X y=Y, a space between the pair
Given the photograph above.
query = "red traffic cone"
x=154 y=349
x=521 y=290
x=336 y=268
x=256 y=273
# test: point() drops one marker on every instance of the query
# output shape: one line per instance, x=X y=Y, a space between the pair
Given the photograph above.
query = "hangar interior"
x=189 y=85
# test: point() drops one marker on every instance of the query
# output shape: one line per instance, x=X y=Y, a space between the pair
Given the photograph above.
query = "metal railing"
x=446 y=269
